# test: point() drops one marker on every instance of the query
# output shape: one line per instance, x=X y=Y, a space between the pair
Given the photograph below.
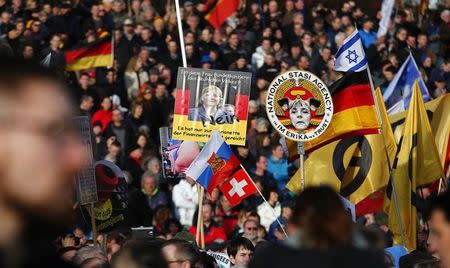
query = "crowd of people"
x=128 y=102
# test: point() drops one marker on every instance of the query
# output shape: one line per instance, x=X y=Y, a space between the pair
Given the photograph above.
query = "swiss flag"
x=237 y=187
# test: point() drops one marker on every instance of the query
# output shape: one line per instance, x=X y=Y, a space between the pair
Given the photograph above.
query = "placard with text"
x=211 y=99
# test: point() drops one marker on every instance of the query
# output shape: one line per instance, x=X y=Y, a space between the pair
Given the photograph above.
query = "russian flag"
x=215 y=163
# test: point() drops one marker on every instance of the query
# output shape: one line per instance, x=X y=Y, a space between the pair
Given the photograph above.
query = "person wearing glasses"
x=251 y=231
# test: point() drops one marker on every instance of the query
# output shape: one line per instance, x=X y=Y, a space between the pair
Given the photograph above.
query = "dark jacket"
x=57 y=59
x=156 y=115
x=129 y=135
x=139 y=212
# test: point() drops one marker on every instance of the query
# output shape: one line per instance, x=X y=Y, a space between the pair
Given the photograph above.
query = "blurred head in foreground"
x=439 y=239
x=40 y=152
x=321 y=219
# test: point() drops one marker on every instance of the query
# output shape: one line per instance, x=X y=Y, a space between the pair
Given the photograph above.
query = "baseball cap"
x=128 y=22
x=188 y=4
x=205 y=59
x=66 y=4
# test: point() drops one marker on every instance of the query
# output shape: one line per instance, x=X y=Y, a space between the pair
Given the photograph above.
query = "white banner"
x=222 y=259
x=386 y=11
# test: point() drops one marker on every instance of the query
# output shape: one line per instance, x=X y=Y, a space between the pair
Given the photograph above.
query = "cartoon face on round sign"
x=299 y=105
x=300 y=108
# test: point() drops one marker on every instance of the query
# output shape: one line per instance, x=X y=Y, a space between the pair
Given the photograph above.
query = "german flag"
x=356 y=167
x=354 y=113
x=96 y=54
x=220 y=11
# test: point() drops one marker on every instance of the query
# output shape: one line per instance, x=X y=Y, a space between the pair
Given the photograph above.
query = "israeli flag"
x=350 y=57
x=399 y=90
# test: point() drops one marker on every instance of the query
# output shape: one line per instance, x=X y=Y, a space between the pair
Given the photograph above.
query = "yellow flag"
x=416 y=163
x=438 y=111
x=440 y=125
x=356 y=167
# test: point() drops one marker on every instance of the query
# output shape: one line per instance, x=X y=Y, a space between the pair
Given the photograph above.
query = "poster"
x=211 y=99
x=177 y=155
x=299 y=105
x=111 y=208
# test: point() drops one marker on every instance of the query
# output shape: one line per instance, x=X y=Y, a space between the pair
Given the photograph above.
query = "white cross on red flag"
x=237 y=187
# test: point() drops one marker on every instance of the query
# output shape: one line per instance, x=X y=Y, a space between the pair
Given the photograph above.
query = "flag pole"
x=373 y=96
x=371 y=85
x=261 y=13
x=301 y=152
x=394 y=192
x=93 y=223
x=180 y=33
x=199 y=215
x=112 y=51
x=273 y=210
x=202 y=229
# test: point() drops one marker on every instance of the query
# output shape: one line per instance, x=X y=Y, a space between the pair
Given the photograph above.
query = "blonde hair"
x=208 y=89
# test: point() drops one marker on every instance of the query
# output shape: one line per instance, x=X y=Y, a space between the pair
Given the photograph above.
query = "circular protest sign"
x=111 y=209
x=299 y=105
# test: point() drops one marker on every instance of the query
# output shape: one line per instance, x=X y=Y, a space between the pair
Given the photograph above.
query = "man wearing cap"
x=130 y=36
x=188 y=7
x=128 y=29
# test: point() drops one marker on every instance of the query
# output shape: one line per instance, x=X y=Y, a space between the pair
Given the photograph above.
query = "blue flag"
x=399 y=91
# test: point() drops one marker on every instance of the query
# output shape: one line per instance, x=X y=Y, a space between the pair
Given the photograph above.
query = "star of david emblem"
x=352 y=56
x=216 y=162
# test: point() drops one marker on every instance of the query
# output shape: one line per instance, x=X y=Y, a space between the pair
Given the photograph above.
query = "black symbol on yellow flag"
x=360 y=160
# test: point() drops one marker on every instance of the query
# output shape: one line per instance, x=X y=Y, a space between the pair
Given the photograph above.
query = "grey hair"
x=148 y=174
x=339 y=36
x=88 y=252
x=153 y=160
x=144 y=130
x=262 y=122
